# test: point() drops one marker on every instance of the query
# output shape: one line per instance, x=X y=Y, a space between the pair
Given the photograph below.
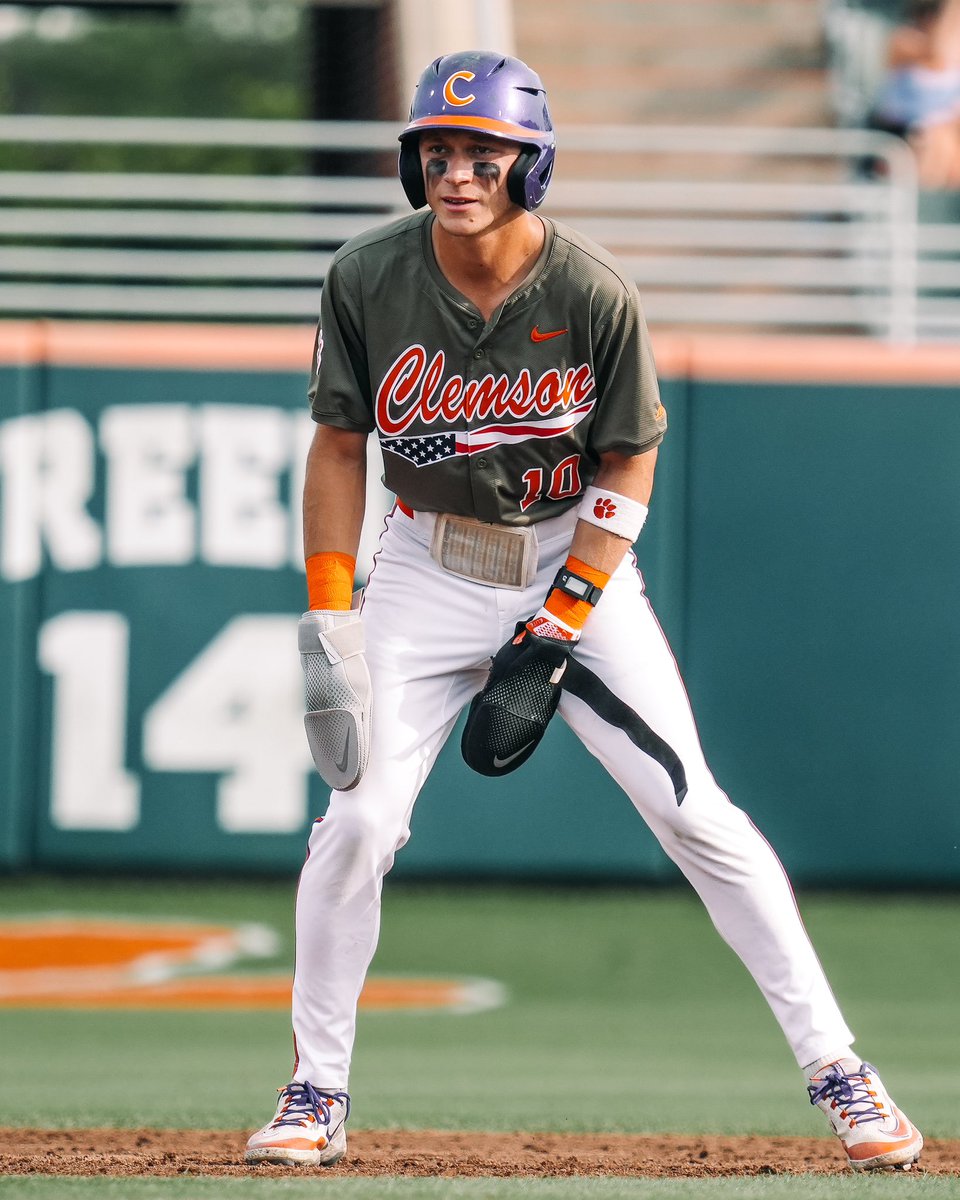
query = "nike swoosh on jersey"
x=503 y=762
x=537 y=336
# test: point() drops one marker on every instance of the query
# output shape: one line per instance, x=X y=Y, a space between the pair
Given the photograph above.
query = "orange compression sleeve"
x=572 y=612
x=330 y=580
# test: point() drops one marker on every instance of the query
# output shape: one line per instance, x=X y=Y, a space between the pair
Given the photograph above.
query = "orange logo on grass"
x=58 y=961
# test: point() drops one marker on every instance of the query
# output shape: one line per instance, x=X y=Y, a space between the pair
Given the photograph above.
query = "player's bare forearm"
x=334 y=492
x=628 y=475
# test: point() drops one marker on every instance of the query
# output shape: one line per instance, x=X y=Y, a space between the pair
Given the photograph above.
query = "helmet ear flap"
x=411 y=172
x=517 y=175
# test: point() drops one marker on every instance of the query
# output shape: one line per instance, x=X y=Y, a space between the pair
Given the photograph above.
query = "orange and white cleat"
x=308 y=1129
x=874 y=1133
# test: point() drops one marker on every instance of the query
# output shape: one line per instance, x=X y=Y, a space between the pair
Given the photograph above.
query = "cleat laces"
x=853 y=1094
x=304 y=1103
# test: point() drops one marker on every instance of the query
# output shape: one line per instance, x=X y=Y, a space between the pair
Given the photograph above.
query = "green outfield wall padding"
x=800 y=555
x=823 y=641
x=19 y=398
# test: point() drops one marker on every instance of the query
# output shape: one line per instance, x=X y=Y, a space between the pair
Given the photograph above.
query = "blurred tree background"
x=266 y=59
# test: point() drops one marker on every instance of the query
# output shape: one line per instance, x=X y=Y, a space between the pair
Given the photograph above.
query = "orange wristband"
x=330 y=580
x=572 y=612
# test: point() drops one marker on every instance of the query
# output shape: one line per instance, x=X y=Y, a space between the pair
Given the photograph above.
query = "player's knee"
x=706 y=812
x=718 y=836
x=361 y=829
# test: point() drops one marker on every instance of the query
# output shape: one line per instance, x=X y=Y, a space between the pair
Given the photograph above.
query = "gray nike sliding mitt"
x=338 y=695
x=508 y=718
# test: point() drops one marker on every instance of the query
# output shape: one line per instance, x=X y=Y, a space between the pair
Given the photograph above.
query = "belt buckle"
x=503 y=556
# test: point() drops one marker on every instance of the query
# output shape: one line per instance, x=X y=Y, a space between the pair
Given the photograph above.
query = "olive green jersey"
x=503 y=420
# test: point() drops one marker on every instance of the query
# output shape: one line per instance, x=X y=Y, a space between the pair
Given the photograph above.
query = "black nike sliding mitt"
x=509 y=717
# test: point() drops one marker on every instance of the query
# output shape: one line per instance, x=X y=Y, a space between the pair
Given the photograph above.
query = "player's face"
x=466 y=179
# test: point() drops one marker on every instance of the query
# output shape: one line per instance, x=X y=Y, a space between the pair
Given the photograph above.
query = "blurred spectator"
x=920 y=97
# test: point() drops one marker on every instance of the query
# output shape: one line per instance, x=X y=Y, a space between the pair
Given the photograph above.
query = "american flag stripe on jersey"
x=424 y=449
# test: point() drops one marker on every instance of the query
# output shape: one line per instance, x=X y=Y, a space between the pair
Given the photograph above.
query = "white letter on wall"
x=48 y=462
x=242 y=520
x=148 y=516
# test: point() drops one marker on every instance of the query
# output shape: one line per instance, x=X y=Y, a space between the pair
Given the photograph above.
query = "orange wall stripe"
x=749 y=358
x=158 y=346
x=671 y=352
x=21 y=343
x=183 y=347
x=821 y=360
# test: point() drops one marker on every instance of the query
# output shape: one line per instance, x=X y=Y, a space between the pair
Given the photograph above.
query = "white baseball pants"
x=430 y=637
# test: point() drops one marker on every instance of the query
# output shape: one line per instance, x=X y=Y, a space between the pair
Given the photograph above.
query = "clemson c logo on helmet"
x=451 y=96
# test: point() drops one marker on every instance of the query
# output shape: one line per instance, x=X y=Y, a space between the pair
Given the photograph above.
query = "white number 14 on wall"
x=236 y=710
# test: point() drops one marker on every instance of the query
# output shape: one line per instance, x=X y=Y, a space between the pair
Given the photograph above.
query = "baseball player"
x=504 y=362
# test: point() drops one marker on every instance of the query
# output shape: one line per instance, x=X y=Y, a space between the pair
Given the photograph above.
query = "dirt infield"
x=130 y=1152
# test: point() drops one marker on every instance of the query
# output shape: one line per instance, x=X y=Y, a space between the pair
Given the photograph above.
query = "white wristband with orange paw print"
x=611 y=511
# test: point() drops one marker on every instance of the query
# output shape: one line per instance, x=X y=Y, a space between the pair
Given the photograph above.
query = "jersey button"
x=478 y=354
x=481 y=463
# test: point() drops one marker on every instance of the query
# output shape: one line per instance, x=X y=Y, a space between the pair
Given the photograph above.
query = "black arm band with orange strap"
x=574 y=592
x=576 y=586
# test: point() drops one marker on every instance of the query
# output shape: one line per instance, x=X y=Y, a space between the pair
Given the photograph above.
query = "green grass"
x=627 y=1012
x=789 y=1187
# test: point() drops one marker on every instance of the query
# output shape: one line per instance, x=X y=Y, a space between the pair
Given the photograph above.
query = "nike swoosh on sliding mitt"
x=338 y=695
x=509 y=717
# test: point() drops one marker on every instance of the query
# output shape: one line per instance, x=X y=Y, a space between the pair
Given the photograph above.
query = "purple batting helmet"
x=488 y=93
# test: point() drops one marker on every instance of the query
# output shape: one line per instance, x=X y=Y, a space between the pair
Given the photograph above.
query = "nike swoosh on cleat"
x=904 y=1127
x=502 y=762
x=537 y=336
x=889 y=1143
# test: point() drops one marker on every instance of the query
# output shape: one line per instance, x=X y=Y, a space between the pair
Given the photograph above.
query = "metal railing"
x=765 y=228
